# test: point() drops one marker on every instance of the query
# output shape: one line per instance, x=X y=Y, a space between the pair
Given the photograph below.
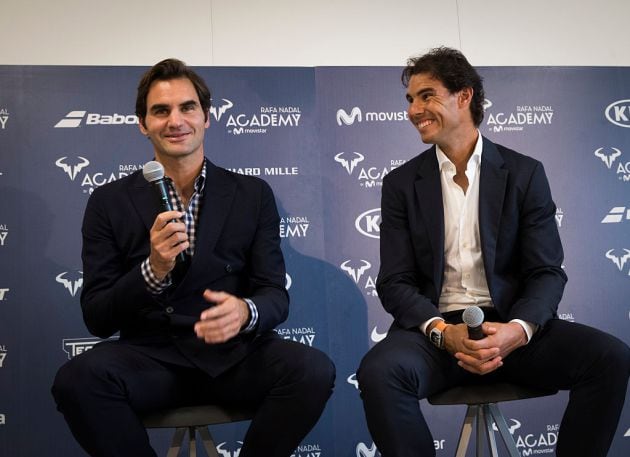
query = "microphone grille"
x=473 y=316
x=152 y=171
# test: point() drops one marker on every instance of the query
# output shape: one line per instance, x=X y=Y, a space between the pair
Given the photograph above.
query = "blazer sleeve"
x=541 y=277
x=404 y=283
x=114 y=293
x=266 y=268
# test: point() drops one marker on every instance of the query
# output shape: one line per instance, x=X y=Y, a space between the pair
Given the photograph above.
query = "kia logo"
x=368 y=222
x=619 y=113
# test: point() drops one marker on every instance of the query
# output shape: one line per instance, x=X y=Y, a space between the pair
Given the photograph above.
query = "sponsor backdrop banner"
x=323 y=138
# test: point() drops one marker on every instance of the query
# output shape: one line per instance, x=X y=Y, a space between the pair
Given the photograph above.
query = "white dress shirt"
x=464 y=273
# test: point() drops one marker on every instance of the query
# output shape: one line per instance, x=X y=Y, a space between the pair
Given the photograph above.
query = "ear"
x=465 y=97
x=207 y=124
x=141 y=126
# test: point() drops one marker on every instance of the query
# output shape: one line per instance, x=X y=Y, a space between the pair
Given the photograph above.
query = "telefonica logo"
x=356 y=115
x=618 y=113
x=364 y=451
x=367 y=223
x=73 y=119
x=348 y=119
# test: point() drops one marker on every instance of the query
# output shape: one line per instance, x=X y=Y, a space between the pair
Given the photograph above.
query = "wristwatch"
x=436 y=335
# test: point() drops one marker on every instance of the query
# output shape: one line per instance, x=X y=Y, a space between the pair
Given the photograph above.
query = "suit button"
x=228 y=268
x=169 y=309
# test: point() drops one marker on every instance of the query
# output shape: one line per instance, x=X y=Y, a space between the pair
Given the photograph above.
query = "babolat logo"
x=4 y=232
x=304 y=335
x=72 y=285
x=4 y=117
x=72 y=170
x=357 y=271
x=619 y=257
x=368 y=223
x=3 y=355
x=356 y=115
x=73 y=119
x=3 y=294
x=609 y=157
x=368 y=177
x=616 y=215
x=618 y=113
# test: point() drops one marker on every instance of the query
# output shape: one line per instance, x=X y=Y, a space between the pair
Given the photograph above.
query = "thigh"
x=120 y=371
x=559 y=355
x=408 y=359
x=275 y=362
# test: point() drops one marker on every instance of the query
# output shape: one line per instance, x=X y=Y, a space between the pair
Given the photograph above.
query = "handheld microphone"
x=153 y=172
x=473 y=318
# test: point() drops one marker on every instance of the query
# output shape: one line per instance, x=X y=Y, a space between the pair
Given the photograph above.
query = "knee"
x=615 y=359
x=377 y=372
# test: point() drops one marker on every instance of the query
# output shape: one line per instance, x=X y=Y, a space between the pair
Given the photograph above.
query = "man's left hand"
x=504 y=337
x=222 y=321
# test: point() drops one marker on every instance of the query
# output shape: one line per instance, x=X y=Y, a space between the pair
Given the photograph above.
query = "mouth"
x=424 y=123
x=176 y=137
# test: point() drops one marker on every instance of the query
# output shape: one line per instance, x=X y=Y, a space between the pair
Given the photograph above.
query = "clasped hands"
x=487 y=354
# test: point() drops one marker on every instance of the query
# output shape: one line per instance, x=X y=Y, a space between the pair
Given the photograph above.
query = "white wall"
x=312 y=33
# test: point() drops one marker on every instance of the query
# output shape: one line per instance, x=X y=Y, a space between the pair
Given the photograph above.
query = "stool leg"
x=192 y=442
x=176 y=442
x=208 y=442
x=480 y=431
x=487 y=419
x=503 y=429
x=467 y=426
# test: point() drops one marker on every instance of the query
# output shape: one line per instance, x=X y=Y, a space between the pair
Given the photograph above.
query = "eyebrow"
x=159 y=106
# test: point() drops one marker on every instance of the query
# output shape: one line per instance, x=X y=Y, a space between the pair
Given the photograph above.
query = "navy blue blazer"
x=237 y=251
x=522 y=252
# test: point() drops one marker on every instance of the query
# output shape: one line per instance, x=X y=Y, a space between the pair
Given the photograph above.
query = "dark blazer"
x=237 y=251
x=522 y=252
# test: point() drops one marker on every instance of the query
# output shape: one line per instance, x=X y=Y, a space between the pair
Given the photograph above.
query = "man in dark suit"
x=469 y=222
x=192 y=332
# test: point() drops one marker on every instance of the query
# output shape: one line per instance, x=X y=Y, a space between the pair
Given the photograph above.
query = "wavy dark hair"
x=166 y=70
x=454 y=71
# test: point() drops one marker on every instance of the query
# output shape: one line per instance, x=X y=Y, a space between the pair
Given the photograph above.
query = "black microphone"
x=153 y=172
x=473 y=318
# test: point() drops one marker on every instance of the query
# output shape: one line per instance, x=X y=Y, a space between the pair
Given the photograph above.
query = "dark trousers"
x=406 y=367
x=102 y=392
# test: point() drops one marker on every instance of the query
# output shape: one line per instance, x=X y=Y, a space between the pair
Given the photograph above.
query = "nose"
x=415 y=107
x=175 y=118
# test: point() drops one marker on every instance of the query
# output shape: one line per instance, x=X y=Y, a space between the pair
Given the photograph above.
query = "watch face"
x=436 y=337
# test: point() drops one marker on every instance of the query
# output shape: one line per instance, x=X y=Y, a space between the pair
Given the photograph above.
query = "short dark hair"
x=454 y=71
x=166 y=70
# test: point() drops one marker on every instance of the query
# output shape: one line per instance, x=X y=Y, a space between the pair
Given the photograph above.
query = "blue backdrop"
x=323 y=138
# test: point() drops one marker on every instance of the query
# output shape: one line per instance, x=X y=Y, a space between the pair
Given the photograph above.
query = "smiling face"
x=439 y=116
x=175 y=122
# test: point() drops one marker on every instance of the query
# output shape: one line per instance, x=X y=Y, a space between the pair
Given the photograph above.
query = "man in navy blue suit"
x=192 y=332
x=469 y=222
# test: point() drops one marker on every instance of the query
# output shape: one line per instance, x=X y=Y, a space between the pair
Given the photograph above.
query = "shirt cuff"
x=154 y=285
x=529 y=328
x=253 y=316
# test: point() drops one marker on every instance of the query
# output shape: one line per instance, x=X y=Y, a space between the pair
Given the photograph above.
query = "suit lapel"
x=492 y=184
x=144 y=199
x=219 y=192
x=428 y=189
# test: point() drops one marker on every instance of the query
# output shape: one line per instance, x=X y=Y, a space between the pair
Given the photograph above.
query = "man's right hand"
x=479 y=357
x=168 y=239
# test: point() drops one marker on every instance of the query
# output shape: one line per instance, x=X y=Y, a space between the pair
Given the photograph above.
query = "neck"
x=460 y=148
x=183 y=173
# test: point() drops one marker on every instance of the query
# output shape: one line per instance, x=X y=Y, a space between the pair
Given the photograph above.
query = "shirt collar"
x=474 y=160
